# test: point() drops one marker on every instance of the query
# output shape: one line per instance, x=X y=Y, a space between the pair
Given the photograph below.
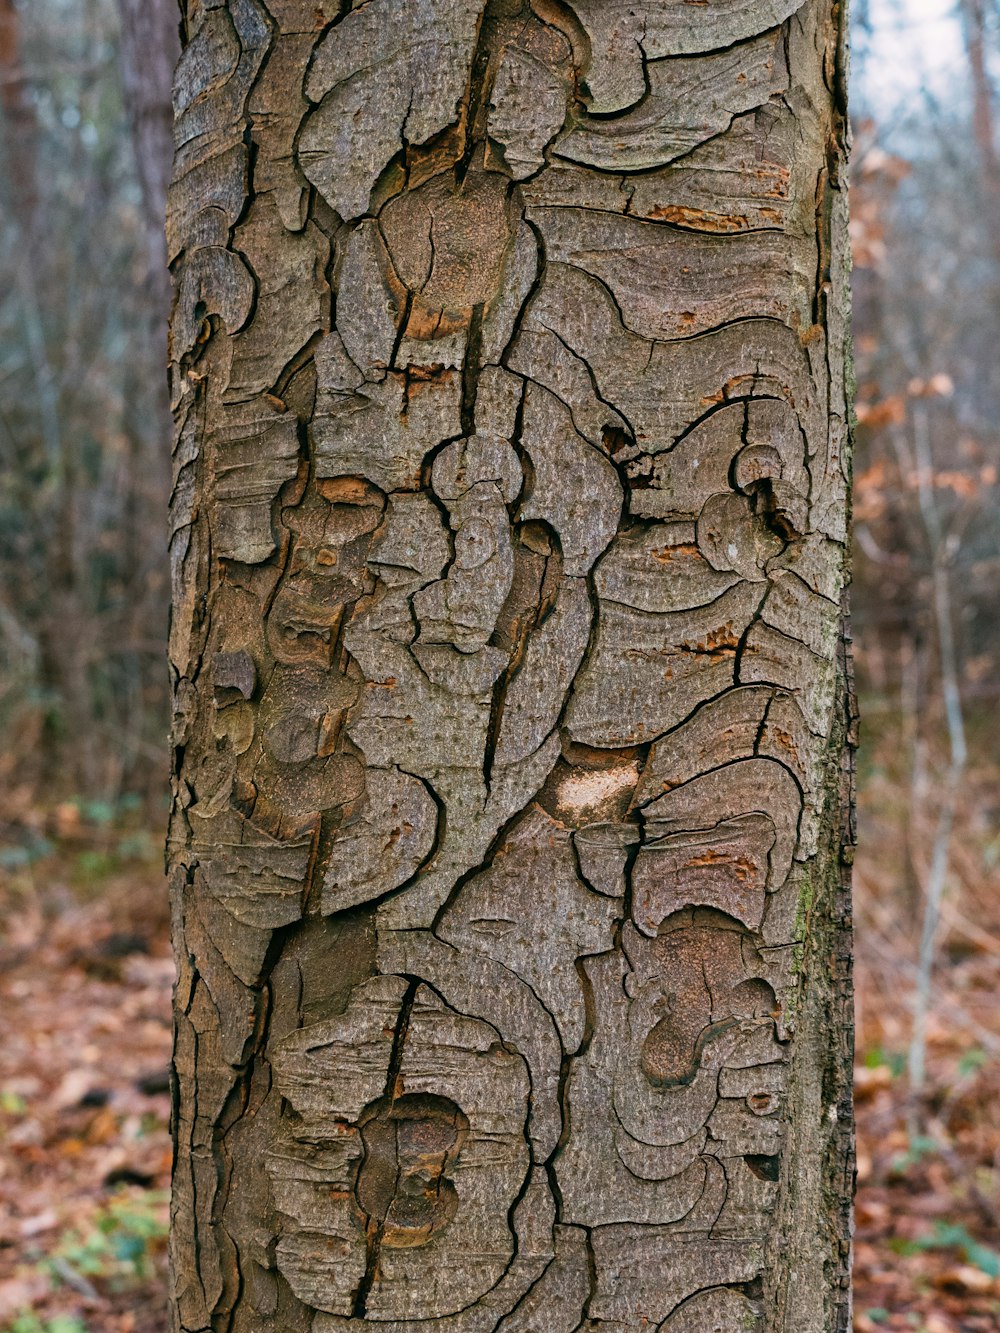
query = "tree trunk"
x=150 y=50
x=64 y=631
x=983 y=128
x=512 y=713
x=20 y=124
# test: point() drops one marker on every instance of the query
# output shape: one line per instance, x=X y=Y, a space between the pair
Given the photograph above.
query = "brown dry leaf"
x=868 y=1081
x=966 y=1277
x=73 y=1087
x=67 y=819
x=39 y=1222
x=872 y=1212
x=20 y=1293
x=104 y=1128
x=889 y=411
x=935 y=1323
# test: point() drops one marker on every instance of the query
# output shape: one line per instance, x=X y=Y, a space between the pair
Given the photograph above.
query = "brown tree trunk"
x=512 y=714
x=150 y=48
x=983 y=119
x=982 y=94
x=20 y=124
x=64 y=634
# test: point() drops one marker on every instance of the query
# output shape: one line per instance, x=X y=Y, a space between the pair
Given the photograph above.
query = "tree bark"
x=511 y=829
x=150 y=48
x=20 y=123
x=63 y=673
x=974 y=23
x=983 y=118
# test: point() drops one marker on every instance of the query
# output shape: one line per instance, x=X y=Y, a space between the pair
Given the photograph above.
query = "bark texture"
x=510 y=822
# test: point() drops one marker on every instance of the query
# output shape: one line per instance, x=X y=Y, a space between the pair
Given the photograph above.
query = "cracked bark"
x=511 y=813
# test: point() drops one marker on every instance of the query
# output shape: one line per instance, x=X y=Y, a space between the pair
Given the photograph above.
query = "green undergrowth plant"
x=952 y=1236
x=31 y=1323
x=119 y=1244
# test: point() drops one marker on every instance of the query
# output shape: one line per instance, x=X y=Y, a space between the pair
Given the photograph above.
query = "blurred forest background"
x=85 y=970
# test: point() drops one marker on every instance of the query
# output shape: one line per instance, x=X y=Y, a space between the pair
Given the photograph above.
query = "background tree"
x=84 y=414
x=926 y=494
x=508 y=549
x=924 y=234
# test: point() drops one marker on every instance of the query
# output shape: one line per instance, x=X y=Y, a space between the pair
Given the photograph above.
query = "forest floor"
x=85 y=978
x=85 y=983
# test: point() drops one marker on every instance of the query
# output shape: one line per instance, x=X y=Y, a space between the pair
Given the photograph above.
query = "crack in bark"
x=375 y=1234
